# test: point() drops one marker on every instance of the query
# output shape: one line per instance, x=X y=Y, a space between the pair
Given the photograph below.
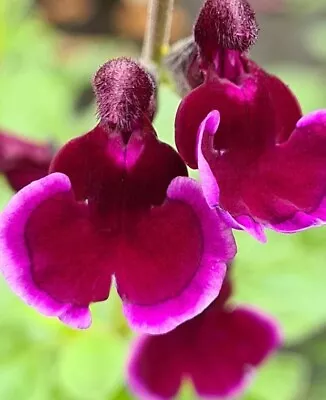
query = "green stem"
x=158 y=28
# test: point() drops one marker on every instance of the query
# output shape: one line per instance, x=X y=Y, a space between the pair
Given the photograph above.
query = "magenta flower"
x=22 y=161
x=258 y=158
x=217 y=351
x=117 y=203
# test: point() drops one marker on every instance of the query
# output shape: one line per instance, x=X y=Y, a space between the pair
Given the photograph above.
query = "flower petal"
x=90 y=161
x=247 y=117
x=230 y=344
x=290 y=181
x=218 y=351
x=175 y=261
x=210 y=183
x=287 y=109
x=102 y=167
x=22 y=161
x=248 y=224
x=51 y=255
x=283 y=189
x=155 y=368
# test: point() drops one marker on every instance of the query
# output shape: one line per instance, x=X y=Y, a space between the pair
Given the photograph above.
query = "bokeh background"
x=49 y=50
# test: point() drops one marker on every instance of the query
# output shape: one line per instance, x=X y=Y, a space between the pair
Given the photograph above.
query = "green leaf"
x=286 y=277
x=187 y=391
x=12 y=14
x=34 y=103
x=38 y=100
x=314 y=350
x=111 y=317
x=26 y=376
x=284 y=377
x=304 y=7
x=5 y=192
x=124 y=394
x=87 y=58
x=91 y=365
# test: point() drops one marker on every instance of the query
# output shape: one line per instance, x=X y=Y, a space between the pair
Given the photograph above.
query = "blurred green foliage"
x=39 y=357
x=305 y=7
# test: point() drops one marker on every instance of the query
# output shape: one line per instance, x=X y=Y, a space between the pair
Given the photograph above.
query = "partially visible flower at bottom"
x=23 y=161
x=217 y=351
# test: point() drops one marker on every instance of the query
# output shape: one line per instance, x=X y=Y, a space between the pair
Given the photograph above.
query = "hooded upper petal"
x=246 y=107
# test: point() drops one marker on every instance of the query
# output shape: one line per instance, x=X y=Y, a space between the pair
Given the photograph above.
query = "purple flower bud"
x=125 y=94
x=226 y=24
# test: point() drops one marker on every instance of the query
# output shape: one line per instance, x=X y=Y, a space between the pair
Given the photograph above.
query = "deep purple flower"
x=116 y=203
x=22 y=161
x=217 y=351
x=258 y=158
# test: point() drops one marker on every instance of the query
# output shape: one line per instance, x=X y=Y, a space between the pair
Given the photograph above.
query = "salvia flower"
x=117 y=203
x=217 y=352
x=23 y=161
x=259 y=159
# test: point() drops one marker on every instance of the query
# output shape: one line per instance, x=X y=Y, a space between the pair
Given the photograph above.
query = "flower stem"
x=158 y=28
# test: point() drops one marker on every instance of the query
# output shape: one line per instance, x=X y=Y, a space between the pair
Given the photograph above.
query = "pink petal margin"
x=208 y=180
x=210 y=186
x=218 y=248
x=15 y=263
x=301 y=220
